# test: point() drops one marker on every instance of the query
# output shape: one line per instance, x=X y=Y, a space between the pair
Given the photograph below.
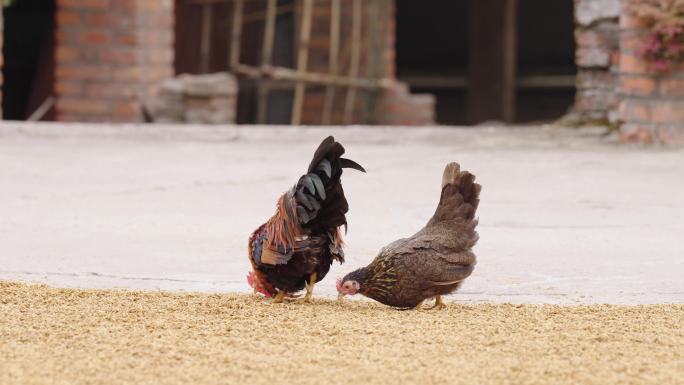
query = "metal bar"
x=355 y=58
x=302 y=61
x=236 y=35
x=334 y=52
x=205 y=39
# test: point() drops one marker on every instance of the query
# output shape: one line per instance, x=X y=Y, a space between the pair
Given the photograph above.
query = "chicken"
x=295 y=248
x=433 y=262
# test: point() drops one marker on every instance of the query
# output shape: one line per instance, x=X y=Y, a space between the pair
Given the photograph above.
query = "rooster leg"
x=279 y=297
x=438 y=303
x=310 y=286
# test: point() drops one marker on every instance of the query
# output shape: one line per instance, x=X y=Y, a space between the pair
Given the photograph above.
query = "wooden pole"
x=236 y=35
x=266 y=59
x=492 y=65
x=205 y=40
x=355 y=58
x=290 y=75
x=302 y=61
x=334 y=52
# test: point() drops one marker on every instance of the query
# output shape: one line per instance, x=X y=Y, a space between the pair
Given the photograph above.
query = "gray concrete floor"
x=566 y=216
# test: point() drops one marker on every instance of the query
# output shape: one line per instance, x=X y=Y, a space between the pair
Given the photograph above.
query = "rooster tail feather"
x=318 y=195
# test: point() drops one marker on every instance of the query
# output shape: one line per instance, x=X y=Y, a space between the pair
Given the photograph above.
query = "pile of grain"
x=67 y=336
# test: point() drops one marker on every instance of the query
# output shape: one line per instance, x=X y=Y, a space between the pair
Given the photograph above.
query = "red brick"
x=93 y=37
x=68 y=88
x=63 y=37
x=67 y=18
x=672 y=87
x=632 y=41
x=629 y=20
x=668 y=111
x=84 y=4
x=131 y=73
x=638 y=85
x=106 y=20
x=126 y=38
x=633 y=110
x=82 y=105
x=81 y=71
x=124 y=55
x=672 y=136
x=633 y=64
x=127 y=109
x=634 y=133
x=126 y=5
x=112 y=90
x=66 y=54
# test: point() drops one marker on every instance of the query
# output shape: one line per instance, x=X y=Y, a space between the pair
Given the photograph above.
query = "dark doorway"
x=28 y=51
x=435 y=44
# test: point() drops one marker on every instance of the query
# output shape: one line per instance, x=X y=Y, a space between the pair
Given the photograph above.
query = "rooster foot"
x=279 y=297
x=418 y=307
x=309 y=288
x=438 y=303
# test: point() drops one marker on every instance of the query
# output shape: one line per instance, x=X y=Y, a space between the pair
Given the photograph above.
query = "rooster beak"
x=340 y=297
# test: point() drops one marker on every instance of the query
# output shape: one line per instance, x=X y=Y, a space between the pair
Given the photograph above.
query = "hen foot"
x=438 y=303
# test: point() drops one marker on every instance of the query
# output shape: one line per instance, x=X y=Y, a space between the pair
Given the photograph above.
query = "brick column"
x=597 y=39
x=651 y=108
x=110 y=56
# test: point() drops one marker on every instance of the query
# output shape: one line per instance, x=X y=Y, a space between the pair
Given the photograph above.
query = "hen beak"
x=340 y=297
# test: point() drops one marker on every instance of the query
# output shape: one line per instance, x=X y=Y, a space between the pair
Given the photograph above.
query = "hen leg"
x=310 y=286
x=279 y=297
x=438 y=303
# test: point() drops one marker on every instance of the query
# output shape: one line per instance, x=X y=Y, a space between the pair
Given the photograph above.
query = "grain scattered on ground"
x=68 y=336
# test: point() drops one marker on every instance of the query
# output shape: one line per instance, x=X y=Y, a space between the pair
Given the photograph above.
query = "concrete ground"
x=566 y=216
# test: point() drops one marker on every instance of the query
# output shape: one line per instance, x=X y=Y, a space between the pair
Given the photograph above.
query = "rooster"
x=295 y=248
x=433 y=262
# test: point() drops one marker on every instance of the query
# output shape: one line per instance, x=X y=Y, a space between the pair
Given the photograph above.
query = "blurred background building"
x=323 y=61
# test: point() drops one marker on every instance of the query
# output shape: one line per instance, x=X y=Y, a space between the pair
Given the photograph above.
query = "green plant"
x=664 y=45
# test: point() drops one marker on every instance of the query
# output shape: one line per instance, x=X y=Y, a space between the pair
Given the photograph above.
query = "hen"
x=295 y=248
x=431 y=263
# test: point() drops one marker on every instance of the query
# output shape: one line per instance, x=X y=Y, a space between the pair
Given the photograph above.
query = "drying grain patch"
x=67 y=336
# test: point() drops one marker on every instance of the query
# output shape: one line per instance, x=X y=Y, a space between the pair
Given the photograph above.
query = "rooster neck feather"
x=283 y=228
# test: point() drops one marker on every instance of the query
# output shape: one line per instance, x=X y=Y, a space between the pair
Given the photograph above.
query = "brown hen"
x=431 y=263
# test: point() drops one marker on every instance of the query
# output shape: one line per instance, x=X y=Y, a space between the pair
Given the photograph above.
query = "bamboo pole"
x=288 y=74
x=261 y=15
x=236 y=35
x=355 y=58
x=302 y=61
x=266 y=59
x=333 y=59
x=205 y=40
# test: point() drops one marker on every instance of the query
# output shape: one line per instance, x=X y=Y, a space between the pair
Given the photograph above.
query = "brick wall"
x=597 y=52
x=651 y=108
x=110 y=56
